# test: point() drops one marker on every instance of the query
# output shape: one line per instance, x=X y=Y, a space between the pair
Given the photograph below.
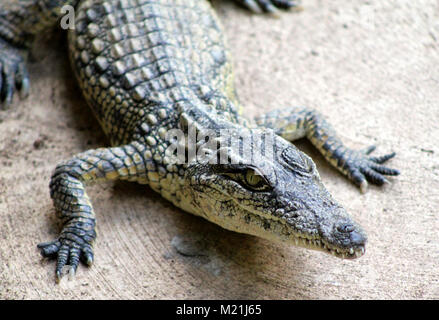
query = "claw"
x=358 y=178
x=252 y=6
x=273 y=11
x=385 y=170
x=370 y=149
x=383 y=159
x=63 y=255
x=363 y=187
x=286 y=4
x=22 y=81
x=269 y=6
x=58 y=276
x=72 y=273
x=49 y=249
x=87 y=256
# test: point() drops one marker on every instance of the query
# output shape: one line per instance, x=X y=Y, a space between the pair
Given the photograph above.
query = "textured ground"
x=371 y=67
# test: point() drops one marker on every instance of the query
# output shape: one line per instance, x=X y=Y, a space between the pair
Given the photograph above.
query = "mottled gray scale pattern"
x=133 y=60
x=148 y=66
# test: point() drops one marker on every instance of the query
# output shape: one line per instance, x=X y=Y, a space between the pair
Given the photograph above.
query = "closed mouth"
x=321 y=245
x=306 y=241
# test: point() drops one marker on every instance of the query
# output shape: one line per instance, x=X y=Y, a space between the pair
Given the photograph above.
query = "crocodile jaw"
x=245 y=220
x=300 y=239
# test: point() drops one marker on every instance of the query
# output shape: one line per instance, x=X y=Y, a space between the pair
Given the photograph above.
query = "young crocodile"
x=150 y=67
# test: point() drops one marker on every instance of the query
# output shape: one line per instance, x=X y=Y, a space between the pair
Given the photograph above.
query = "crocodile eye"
x=253 y=180
x=250 y=179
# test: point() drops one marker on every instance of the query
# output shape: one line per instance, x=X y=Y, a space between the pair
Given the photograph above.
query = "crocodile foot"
x=68 y=250
x=362 y=168
x=13 y=73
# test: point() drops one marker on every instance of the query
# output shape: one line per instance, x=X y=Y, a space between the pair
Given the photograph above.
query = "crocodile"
x=158 y=76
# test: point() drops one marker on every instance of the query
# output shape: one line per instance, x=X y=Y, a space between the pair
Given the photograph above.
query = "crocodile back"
x=138 y=62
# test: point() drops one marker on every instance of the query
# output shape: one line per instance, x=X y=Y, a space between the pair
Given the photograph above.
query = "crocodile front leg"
x=358 y=166
x=73 y=205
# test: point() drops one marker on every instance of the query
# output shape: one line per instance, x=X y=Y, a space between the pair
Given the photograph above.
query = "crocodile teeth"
x=337 y=252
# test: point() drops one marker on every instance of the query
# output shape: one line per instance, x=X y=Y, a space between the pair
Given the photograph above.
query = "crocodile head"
x=277 y=196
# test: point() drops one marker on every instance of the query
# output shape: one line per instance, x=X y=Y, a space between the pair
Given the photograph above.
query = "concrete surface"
x=371 y=67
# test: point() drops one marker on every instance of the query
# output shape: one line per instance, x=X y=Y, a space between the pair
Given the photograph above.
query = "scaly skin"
x=148 y=67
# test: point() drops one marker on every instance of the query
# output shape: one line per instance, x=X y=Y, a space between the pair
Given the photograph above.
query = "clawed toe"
x=49 y=249
x=67 y=253
x=384 y=158
x=269 y=6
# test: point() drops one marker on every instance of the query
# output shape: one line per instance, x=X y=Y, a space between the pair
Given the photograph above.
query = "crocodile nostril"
x=345 y=228
x=357 y=238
